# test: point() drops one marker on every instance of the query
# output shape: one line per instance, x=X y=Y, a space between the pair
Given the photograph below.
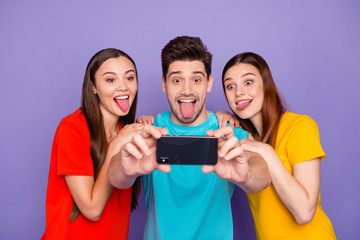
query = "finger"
x=140 y=143
x=237 y=122
x=151 y=131
x=227 y=132
x=235 y=152
x=208 y=168
x=132 y=150
x=210 y=133
x=231 y=122
x=250 y=136
x=228 y=145
x=164 y=168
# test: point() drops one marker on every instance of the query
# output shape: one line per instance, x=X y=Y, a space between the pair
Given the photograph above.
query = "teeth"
x=241 y=102
x=122 y=97
x=186 y=100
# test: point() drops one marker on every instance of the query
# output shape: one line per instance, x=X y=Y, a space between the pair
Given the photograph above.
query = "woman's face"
x=244 y=91
x=116 y=86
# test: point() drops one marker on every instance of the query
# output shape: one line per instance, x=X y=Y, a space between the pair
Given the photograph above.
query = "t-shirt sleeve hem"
x=75 y=172
x=308 y=158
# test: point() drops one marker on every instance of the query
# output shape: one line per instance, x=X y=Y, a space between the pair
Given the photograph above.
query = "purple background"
x=312 y=48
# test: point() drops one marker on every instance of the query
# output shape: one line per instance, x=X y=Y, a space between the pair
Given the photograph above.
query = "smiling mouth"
x=241 y=105
x=187 y=107
x=122 y=102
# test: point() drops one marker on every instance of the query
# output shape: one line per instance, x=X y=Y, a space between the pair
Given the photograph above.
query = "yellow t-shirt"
x=297 y=141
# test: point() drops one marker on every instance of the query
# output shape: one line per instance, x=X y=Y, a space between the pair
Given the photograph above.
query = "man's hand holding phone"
x=232 y=163
x=136 y=158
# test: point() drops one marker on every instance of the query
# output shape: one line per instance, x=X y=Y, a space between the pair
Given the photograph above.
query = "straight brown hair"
x=272 y=108
x=90 y=106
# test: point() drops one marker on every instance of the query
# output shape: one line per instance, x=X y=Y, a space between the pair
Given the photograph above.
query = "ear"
x=93 y=88
x=163 y=84
x=210 y=83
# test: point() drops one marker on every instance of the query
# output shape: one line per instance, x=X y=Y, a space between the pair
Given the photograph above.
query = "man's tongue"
x=123 y=104
x=187 y=109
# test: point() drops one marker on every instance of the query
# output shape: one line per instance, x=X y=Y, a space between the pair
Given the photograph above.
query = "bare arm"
x=89 y=195
x=136 y=158
x=300 y=191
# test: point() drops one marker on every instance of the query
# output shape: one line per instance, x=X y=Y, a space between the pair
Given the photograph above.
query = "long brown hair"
x=90 y=106
x=272 y=108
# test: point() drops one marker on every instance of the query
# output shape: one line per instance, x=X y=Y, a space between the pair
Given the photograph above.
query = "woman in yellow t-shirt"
x=290 y=144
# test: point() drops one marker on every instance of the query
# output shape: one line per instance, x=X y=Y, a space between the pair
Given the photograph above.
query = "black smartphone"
x=187 y=150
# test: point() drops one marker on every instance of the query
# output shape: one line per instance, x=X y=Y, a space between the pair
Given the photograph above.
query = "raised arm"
x=136 y=158
x=247 y=170
x=299 y=191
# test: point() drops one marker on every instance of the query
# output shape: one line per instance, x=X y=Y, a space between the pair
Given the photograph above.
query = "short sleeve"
x=73 y=150
x=303 y=143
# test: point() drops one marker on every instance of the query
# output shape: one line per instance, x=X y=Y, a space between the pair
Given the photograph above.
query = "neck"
x=111 y=125
x=201 y=118
x=257 y=122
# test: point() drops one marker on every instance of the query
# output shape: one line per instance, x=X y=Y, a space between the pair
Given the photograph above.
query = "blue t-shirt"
x=187 y=203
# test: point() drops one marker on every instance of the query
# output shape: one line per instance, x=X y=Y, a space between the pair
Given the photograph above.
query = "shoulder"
x=292 y=120
x=162 y=119
x=74 y=122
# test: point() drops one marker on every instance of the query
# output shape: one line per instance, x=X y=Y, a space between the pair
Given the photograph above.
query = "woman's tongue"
x=187 y=109
x=123 y=104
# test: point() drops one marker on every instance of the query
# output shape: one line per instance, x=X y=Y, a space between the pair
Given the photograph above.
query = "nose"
x=186 y=87
x=240 y=91
x=122 y=86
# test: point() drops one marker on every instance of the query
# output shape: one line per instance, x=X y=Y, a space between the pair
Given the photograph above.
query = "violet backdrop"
x=312 y=48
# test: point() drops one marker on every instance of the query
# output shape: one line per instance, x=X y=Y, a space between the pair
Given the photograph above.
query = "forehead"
x=186 y=67
x=241 y=69
x=116 y=65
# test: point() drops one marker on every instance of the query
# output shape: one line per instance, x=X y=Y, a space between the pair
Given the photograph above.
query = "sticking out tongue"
x=187 y=109
x=123 y=104
x=243 y=105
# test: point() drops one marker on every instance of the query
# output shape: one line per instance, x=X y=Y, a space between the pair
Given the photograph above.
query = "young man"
x=188 y=202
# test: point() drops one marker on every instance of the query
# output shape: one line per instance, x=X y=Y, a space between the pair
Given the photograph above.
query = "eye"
x=248 y=82
x=110 y=80
x=130 y=78
x=197 y=80
x=230 y=86
x=176 y=80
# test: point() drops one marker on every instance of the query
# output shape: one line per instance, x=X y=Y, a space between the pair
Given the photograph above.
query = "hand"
x=124 y=136
x=252 y=146
x=232 y=162
x=145 y=119
x=138 y=157
x=224 y=117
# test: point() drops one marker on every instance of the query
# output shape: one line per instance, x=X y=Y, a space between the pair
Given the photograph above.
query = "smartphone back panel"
x=187 y=150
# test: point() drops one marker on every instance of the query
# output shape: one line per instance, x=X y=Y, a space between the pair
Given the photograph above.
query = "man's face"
x=186 y=86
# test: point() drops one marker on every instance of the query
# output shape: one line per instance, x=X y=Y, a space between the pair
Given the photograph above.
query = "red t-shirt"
x=70 y=155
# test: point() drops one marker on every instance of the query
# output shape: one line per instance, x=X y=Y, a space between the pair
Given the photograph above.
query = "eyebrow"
x=245 y=74
x=130 y=70
x=180 y=72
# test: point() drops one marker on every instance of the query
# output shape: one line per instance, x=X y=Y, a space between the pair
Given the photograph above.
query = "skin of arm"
x=300 y=191
x=136 y=158
x=91 y=195
x=247 y=170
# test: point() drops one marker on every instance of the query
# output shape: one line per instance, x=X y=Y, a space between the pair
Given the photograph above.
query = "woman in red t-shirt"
x=80 y=202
